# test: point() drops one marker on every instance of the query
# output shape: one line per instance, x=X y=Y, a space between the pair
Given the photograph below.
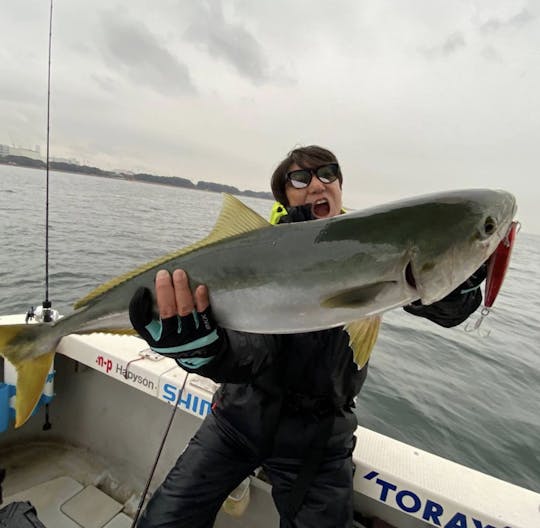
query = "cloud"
x=491 y=54
x=21 y=89
x=408 y=109
x=230 y=42
x=517 y=21
x=133 y=50
x=451 y=45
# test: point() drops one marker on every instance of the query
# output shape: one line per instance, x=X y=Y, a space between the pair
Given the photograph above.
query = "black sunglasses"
x=301 y=178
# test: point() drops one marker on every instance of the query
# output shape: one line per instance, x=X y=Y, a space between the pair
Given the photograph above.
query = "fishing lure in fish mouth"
x=497 y=266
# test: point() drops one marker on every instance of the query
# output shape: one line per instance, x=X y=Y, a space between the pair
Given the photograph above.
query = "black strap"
x=2 y=476
x=310 y=465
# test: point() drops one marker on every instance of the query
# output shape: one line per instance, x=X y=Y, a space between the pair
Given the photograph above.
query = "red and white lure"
x=497 y=265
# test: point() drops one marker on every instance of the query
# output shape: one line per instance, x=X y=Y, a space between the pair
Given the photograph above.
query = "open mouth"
x=320 y=208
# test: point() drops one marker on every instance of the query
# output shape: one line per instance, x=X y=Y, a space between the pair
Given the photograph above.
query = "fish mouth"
x=409 y=276
x=320 y=208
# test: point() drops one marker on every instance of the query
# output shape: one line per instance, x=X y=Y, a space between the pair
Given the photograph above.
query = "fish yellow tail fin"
x=17 y=342
x=9 y=334
x=31 y=378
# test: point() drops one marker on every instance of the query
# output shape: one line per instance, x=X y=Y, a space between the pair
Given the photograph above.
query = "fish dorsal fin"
x=362 y=337
x=234 y=219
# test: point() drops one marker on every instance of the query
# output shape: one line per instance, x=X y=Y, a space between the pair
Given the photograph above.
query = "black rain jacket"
x=275 y=389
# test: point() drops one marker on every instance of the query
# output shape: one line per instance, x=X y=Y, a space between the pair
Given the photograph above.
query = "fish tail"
x=9 y=334
x=16 y=342
x=31 y=377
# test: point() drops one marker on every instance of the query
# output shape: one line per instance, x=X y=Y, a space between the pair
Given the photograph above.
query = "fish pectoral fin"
x=31 y=378
x=356 y=297
x=362 y=338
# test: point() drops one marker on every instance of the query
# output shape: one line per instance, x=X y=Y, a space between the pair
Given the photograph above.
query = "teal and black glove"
x=192 y=340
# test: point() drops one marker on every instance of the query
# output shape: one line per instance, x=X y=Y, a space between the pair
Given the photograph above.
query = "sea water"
x=472 y=399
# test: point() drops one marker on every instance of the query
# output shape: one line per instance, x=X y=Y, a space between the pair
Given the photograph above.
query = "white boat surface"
x=112 y=402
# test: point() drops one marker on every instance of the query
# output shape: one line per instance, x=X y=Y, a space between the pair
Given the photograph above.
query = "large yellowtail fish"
x=345 y=270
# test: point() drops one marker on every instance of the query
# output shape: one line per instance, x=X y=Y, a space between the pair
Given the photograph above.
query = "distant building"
x=6 y=150
x=27 y=153
x=71 y=161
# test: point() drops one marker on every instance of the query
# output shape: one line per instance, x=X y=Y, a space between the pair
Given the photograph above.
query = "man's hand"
x=185 y=328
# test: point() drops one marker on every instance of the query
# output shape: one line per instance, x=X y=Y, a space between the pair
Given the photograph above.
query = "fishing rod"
x=158 y=454
x=47 y=312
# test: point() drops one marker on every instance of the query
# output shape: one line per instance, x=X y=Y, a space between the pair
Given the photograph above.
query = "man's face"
x=325 y=198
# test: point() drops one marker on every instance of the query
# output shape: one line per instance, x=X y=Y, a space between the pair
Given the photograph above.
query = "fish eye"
x=490 y=225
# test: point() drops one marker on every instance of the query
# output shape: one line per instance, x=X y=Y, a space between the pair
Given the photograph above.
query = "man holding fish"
x=286 y=399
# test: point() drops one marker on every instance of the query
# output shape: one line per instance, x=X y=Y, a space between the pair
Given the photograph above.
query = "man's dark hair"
x=304 y=157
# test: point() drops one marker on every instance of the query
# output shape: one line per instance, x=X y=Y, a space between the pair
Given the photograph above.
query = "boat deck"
x=70 y=487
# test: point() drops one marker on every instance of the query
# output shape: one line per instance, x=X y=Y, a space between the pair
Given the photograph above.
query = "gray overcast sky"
x=413 y=96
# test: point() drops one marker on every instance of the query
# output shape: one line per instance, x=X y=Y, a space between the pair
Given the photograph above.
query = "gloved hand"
x=298 y=213
x=192 y=340
x=457 y=306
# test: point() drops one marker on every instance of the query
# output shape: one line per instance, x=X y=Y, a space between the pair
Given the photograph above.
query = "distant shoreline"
x=172 y=181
